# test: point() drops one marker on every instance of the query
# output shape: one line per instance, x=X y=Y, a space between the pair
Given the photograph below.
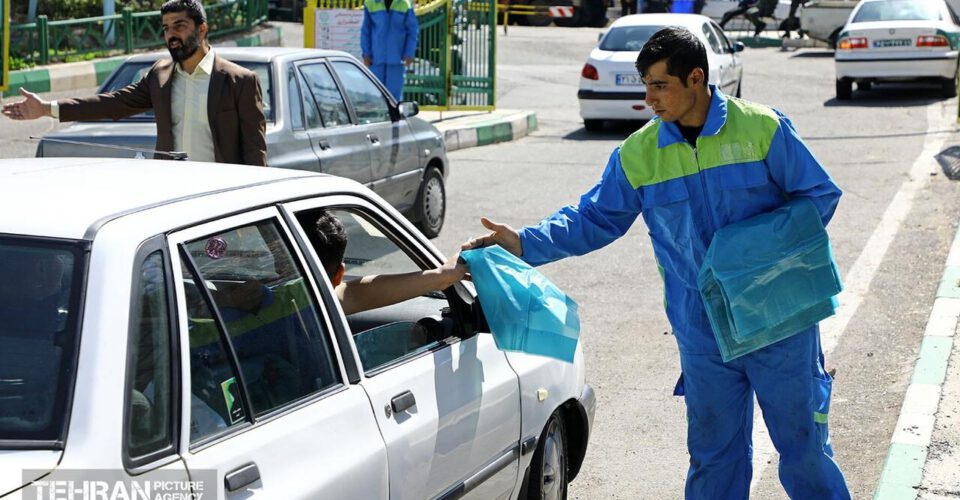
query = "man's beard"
x=186 y=49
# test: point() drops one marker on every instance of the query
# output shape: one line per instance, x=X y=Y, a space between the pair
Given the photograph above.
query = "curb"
x=903 y=467
x=508 y=128
x=89 y=74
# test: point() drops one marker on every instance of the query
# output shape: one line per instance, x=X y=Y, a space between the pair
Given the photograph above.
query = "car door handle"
x=324 y=145
x=373 y=138
x=403 y=401
x=244 y=476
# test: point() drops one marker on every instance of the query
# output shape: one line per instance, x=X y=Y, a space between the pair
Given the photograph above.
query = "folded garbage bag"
x=526 y=312
x=768 y=277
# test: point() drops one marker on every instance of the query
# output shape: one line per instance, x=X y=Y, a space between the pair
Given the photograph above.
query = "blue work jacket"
x=387 y=36
x=748 y=160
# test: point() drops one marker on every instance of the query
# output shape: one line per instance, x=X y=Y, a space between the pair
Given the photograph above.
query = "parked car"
x=610 y=86
x=898 y=40
x=325 y=113
x=824 y=19
x=169 y=320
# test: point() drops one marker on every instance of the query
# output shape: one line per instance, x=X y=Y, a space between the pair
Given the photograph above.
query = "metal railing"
x=48 y=41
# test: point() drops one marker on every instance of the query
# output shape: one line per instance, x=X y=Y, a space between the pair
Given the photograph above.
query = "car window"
x=712 y=39
x=40 y=289
x=149 y=376
x=326 y=96
x=724 y=41
x=628 y=38
x=898 y=10
x=368 y=101
x=295 y=99
x=389 y=334
x=133 y=72
x=270 y=317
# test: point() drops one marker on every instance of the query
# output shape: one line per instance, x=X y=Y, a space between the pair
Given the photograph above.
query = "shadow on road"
x=821 y=54
x=612 y=130
x=891 y=96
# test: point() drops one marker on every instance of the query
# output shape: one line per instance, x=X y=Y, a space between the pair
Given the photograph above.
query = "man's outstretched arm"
x=371 y=292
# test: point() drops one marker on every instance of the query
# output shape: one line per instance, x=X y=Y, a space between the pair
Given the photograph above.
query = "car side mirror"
x=600 y=35
x=738 y=47
x=409 y=109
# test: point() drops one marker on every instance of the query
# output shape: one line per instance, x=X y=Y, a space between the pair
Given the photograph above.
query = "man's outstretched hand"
x=30 y=108
x=501 y=234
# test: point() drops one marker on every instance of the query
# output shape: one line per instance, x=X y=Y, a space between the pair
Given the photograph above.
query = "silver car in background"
x=325 y=113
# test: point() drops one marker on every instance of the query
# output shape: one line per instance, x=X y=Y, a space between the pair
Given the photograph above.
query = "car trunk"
x=888 y=39
x=19 y=468
x=131 y=138
x=611 y=64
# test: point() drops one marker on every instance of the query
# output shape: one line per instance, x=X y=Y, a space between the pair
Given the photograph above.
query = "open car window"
x=132 y=72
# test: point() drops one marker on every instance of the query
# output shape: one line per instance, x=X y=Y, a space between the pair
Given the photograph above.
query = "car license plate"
x=901 y=42
x=629 y=79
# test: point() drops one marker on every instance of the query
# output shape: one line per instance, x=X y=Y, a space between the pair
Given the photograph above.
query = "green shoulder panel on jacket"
x=744 y=138
x=644 y=163
x=400 y=5
x=374 y=6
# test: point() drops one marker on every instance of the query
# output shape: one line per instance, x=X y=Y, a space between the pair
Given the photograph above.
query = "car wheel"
x=949 y=85
x=844 y=89
x=864 y=85
x=431 y=205
x=548 y=470
x=539 y=19
x=592 y=125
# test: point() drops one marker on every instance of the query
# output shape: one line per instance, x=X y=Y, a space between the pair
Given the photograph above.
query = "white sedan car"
x=898 y=40
x=610 y=86
x=167 y=328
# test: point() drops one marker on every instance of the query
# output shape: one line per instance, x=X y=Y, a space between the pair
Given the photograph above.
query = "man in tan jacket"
x=205 y=105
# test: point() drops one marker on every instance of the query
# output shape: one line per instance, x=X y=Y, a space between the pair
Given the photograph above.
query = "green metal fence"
x=455 y=60
x=48 y=41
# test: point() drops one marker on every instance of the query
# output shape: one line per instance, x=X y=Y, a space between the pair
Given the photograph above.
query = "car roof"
x=685 y=20
x=253 y=54
x=66 y=197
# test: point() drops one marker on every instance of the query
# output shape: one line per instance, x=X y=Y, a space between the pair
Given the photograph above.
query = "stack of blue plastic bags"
x=768 y=277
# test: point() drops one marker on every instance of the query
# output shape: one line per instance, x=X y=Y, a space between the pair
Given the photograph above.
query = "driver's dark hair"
x=193 y=8
x=682 y=50
x=329 y=239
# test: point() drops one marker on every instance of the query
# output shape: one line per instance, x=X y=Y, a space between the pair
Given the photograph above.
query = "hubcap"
x=554 y=464
x=433 y=202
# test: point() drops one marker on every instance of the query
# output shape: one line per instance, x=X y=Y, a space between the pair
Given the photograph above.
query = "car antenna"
x=174 y=155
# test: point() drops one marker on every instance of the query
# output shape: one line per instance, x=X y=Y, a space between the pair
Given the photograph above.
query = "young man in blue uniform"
x=388 y=40
x=707 y=161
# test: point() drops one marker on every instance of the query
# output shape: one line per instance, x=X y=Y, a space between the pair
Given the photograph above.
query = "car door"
x=735 y=63
x=341 y=146
x=292 y=146
x=721 y=60
x=447 y=402
x=394 y=155
x=267 y=405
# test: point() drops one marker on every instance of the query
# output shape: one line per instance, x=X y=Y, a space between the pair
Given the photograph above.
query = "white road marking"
x=857 y=281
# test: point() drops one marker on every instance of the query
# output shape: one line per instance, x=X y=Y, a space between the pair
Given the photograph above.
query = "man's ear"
x=696 y=77
x=204 y=29
x=338 y=276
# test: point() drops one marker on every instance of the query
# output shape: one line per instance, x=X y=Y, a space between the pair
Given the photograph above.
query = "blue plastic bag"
x=768 y=277
x=526 y=312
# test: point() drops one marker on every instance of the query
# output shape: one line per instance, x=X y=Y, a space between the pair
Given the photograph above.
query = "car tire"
x=949 y=85
x=431 y=206
x=864 y=85
x=549 y=469
x=539 y=19
x=592 y=125
x=844 y=89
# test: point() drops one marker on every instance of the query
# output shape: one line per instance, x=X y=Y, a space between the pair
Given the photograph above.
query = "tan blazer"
x=234 y=108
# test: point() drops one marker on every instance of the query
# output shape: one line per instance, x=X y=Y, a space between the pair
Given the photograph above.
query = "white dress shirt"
x=188 y=107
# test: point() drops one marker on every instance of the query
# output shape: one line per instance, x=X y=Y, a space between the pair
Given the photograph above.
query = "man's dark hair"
x=329 y=239
x=682 y=50
x=193 y=8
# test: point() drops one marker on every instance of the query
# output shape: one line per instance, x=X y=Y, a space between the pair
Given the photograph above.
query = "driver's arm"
x=371 y=292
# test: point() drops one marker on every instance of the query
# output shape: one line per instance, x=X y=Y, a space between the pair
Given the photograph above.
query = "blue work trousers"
x=391 y=75
x=793 y=391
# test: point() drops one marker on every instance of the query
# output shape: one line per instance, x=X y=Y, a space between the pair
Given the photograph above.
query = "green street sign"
x=4 y=44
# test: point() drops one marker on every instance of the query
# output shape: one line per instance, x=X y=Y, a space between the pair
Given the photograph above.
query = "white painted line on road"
x=857 y=281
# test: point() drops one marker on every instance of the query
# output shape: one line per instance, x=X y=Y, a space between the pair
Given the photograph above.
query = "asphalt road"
x=869 y=145
x=890 y=250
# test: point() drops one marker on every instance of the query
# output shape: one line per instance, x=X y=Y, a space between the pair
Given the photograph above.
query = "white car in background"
x=170 y=323
x=898 y=40
x=610 y=86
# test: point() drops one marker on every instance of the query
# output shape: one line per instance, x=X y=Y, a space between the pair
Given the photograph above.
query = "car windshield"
x=898 y=10
x=132 y=72
x=40 y=288
x=628 y=38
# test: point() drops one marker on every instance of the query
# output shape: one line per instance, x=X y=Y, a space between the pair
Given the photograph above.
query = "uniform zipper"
x=708 y=212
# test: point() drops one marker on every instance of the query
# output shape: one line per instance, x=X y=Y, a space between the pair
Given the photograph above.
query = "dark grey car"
x=325 y=113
